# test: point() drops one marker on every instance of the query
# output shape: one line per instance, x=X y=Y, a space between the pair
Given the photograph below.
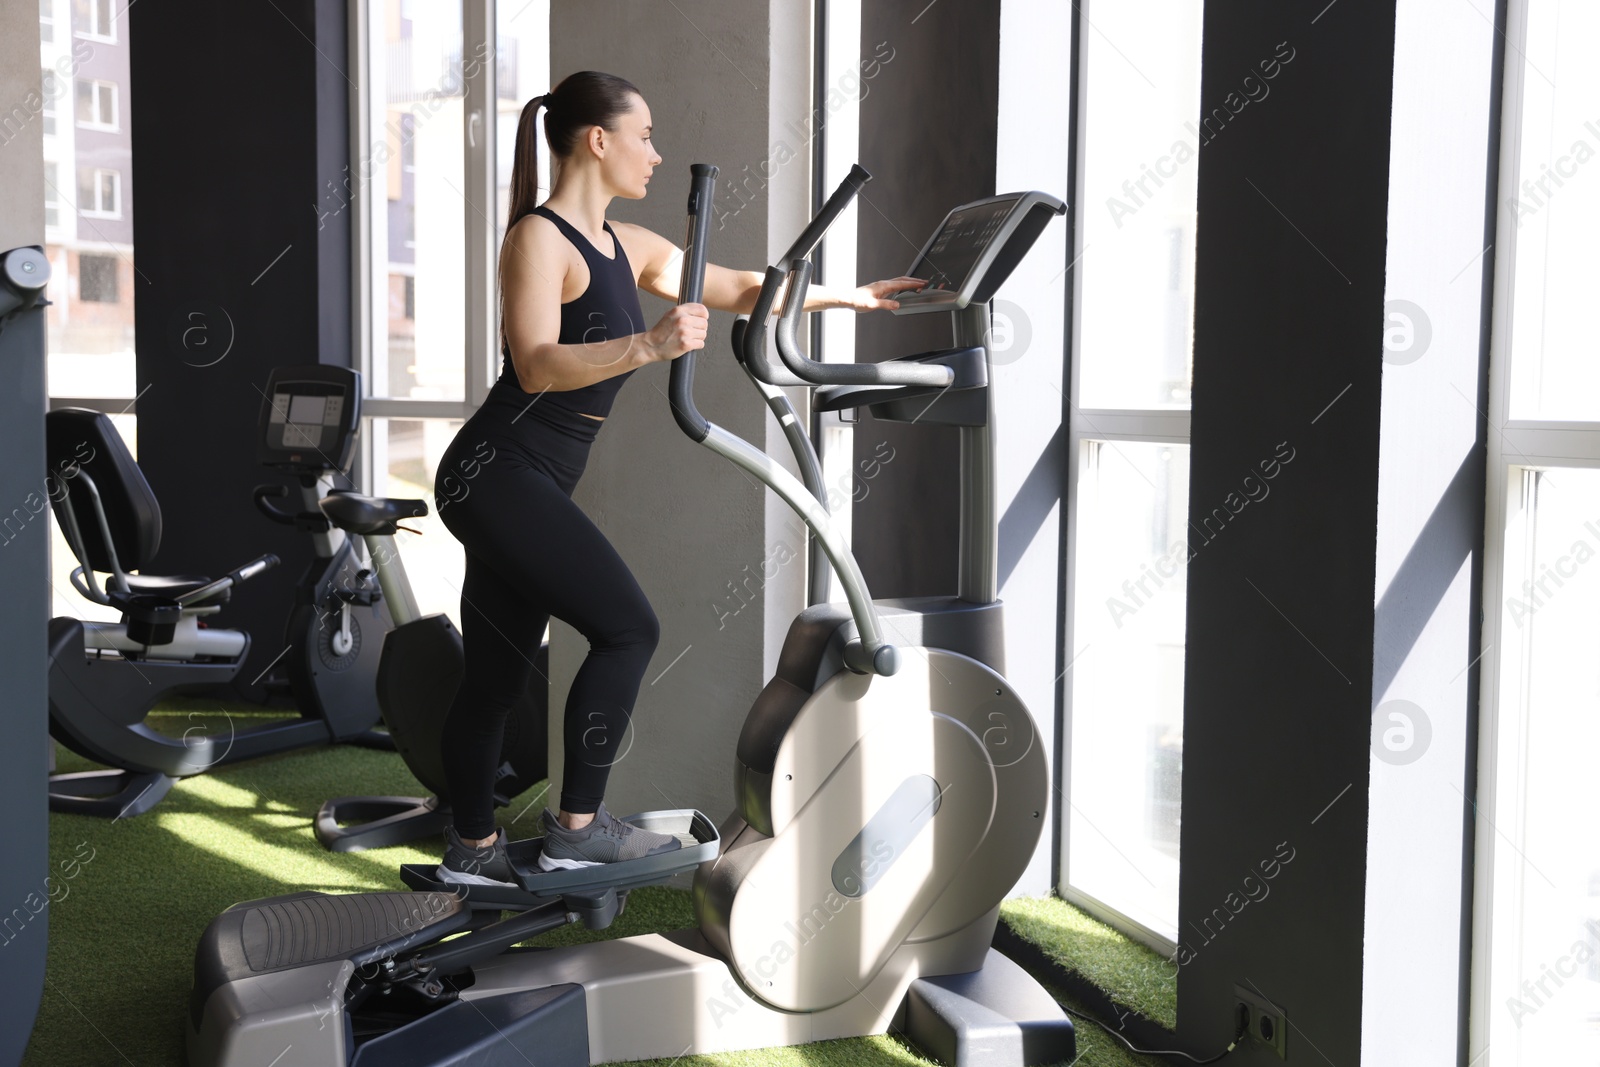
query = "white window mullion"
x=479 y=62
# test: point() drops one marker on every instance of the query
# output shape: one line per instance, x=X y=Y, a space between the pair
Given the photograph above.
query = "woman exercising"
x=571 y=333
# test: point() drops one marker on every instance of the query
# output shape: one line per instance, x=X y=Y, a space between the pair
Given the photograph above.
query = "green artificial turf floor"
x=130 y=899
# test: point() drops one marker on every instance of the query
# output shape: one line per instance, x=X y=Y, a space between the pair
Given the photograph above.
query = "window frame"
x=99 y=89
x=98 y=212
x=1515 y=448
x=108 y=34
x=115 y=280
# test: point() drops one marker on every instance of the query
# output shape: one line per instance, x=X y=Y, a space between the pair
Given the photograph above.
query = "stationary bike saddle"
x=373 y=515
x=174 y=585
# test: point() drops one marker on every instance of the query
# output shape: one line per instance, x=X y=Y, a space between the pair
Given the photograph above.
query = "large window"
x=1537 y=953
x=406 y=454
x=1138 y=152
x=89 y=204
x=441 y=92
x=419 y=230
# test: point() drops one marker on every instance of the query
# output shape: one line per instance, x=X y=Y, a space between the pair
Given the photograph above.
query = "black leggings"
x=532 y=553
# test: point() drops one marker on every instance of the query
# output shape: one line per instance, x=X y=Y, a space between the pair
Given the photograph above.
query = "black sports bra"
x=608 y=308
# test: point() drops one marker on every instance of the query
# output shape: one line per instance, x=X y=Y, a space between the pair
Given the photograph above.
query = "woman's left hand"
x=875 y=296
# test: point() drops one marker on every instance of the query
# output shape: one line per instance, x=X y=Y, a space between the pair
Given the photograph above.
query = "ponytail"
x=587 y=98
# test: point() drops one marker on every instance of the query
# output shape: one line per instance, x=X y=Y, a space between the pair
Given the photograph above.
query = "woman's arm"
x=533 y=269
x=660 y=268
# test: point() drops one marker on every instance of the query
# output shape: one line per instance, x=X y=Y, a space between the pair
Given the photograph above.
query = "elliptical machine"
x=888 y=799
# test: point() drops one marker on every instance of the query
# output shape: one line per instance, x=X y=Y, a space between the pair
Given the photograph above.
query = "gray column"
x=24 y=557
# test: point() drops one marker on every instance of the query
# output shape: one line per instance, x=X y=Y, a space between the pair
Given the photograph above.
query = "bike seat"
x=174 y=586
x=373 y=515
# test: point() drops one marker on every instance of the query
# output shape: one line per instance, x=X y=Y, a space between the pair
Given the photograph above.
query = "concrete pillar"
x=24 y=559
x=723 y=81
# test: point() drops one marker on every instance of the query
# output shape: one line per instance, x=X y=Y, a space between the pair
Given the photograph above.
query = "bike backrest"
x=79 y=440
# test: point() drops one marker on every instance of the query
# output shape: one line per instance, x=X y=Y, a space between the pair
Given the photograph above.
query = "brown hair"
x=587 y=98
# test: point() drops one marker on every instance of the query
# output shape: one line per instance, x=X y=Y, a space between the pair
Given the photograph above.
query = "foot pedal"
x=701 y=843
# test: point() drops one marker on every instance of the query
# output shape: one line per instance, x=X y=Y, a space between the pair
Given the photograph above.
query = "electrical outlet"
x=1265 y=1021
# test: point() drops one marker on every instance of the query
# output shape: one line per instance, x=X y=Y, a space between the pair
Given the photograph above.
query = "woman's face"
x=630 y=157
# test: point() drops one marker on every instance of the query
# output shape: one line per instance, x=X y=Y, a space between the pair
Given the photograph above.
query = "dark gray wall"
x=24 y=550
x=923 y=161
x=234 y=145
x=1289 y=299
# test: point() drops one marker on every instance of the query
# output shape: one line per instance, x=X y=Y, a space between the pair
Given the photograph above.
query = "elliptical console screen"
x=305 y=420
x=955 y=250
x=308 y=421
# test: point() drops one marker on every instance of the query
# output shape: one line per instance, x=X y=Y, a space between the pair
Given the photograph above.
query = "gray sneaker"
x=465 y=865
x=605 y=840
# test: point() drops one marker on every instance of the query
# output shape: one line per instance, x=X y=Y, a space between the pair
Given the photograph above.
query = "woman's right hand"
x=682 y=329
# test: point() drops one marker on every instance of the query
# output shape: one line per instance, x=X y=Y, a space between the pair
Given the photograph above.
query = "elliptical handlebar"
x=867 y=653
x=691 y=286
x=752 y=350
x=797 y=269
x=815 y=373
x=812 y=235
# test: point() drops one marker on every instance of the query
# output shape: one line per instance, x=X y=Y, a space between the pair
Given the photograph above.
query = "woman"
x=572 y=331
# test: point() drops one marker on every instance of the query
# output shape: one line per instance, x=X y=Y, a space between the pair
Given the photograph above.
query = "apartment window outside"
x=1128 y=538
x=100 y=193
x=97 y=105
x=52 y=197
x=47 y=86
x=97 y=279
x=1537 y=953
x=95 y=19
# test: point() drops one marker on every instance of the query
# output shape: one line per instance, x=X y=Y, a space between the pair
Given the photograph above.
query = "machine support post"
x=977 y=578
x=392 y=579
